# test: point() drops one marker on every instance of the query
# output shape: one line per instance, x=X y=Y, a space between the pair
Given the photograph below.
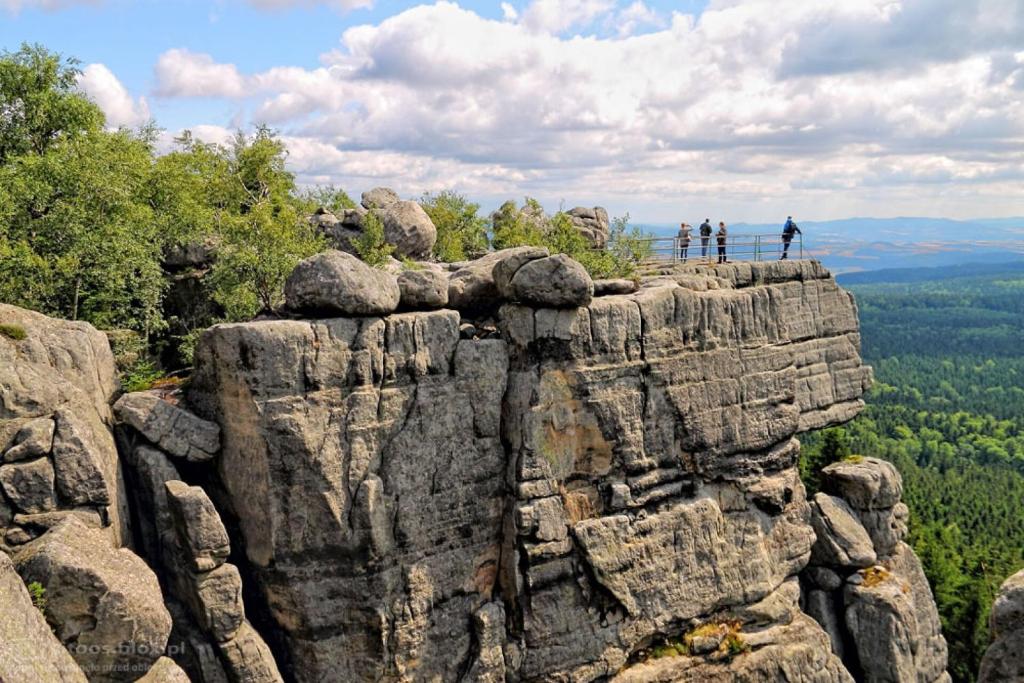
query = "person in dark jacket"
x=789 y=230
x=705 y=237
x=684 y=240
x=721 y=237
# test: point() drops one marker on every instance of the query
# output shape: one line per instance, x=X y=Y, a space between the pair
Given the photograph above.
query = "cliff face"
x=550 y=504
x=603 y=492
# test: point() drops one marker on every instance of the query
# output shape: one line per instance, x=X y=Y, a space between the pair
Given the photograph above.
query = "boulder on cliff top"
x=421 y=289
x=864 y=483
x=176 y=431
x=592 y=223
x=554 y=282
x=379 y=198
x=29 y=652
x=338 y=283
x=104 y=603
x=408 y=227
x=472 y=287
x=616 y=286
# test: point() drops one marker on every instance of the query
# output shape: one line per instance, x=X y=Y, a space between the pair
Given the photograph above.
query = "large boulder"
x=29 y=652
x=864 y=483
x=592 y=224
x=340 y=284
x=409 y=228
x=103 y=603
x=841 y=540
x=473 y=289
x=176 y=431
x=379 y=198
x=423 y=289
x=554 y=282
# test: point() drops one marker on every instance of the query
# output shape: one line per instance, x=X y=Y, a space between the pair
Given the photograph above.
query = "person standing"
x=788 y=231
x=684 y=240
x=721 y=236
x=705 y=237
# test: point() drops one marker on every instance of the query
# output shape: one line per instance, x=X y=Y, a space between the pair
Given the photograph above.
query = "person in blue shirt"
x=788 y=231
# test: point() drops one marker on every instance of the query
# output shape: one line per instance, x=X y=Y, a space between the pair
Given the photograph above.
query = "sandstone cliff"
x=575 y=489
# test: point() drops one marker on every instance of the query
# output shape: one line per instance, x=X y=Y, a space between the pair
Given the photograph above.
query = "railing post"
x=801 y=245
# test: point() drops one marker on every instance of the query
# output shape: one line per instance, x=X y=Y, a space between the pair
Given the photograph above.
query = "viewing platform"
x=740 y=247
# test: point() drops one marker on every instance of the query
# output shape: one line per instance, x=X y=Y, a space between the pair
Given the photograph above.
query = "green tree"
x=371 y=245
x=39 y=102
x=461 y=232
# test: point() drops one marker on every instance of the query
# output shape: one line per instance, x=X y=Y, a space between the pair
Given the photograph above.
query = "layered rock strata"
x=864 y=585
x=547 y=505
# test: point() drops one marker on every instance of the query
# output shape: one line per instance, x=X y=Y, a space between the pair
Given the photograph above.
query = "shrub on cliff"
x=461 y=232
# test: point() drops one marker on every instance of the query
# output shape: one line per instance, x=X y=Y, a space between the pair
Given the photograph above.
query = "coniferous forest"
x=948 y=409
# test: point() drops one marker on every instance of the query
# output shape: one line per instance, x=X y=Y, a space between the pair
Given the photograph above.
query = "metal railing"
x=745 y=247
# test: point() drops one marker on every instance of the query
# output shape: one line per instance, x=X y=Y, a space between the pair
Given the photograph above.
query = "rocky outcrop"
x=29 y=652
x=865 y=586
x=550 y=504
x=592 y=224
x=478 y=287
x=174 y=430
x=339 y=283
x=103 y=603
x=58 y=454
x=1004 y=658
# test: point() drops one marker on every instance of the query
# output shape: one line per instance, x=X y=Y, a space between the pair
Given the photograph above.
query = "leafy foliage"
x=371 y=245
x=513 y=227
x=461 y=232
x=37 y=592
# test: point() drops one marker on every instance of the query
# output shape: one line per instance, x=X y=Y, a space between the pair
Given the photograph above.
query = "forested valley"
x=948 y=409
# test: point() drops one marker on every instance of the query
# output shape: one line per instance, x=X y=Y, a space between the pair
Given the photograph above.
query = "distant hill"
x=908 y=275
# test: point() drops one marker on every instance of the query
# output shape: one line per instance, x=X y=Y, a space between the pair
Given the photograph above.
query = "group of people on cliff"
x=789 y=231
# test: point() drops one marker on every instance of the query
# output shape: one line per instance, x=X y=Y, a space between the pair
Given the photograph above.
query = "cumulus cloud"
x=182 y=73
x=104 y=88
x=754 y=103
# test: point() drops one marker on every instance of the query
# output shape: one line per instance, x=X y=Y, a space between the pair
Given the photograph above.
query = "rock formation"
x=592 y=224
x=1004 y=659
x=550 y=479
x=864 y=585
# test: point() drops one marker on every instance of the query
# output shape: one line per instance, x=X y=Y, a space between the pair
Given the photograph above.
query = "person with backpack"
x=721 y=237
x=684 y=240
x=788 y=231
x=705 y=237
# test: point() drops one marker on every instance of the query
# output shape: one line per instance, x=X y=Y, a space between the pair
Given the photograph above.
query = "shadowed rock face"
x=1004 y=659
x=547 y=505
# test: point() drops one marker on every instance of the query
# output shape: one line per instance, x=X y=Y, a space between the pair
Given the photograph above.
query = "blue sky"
x=743 y=108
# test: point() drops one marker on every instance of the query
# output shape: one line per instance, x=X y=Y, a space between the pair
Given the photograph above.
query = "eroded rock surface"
x=104 y=603
x=546 y=505
x=865 y=585
x=1004 y=659
x=57 y=450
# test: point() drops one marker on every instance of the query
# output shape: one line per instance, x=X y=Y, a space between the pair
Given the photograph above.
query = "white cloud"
x=752 y=105
x=181 y=73
x=103 y=88
x=556 y=16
